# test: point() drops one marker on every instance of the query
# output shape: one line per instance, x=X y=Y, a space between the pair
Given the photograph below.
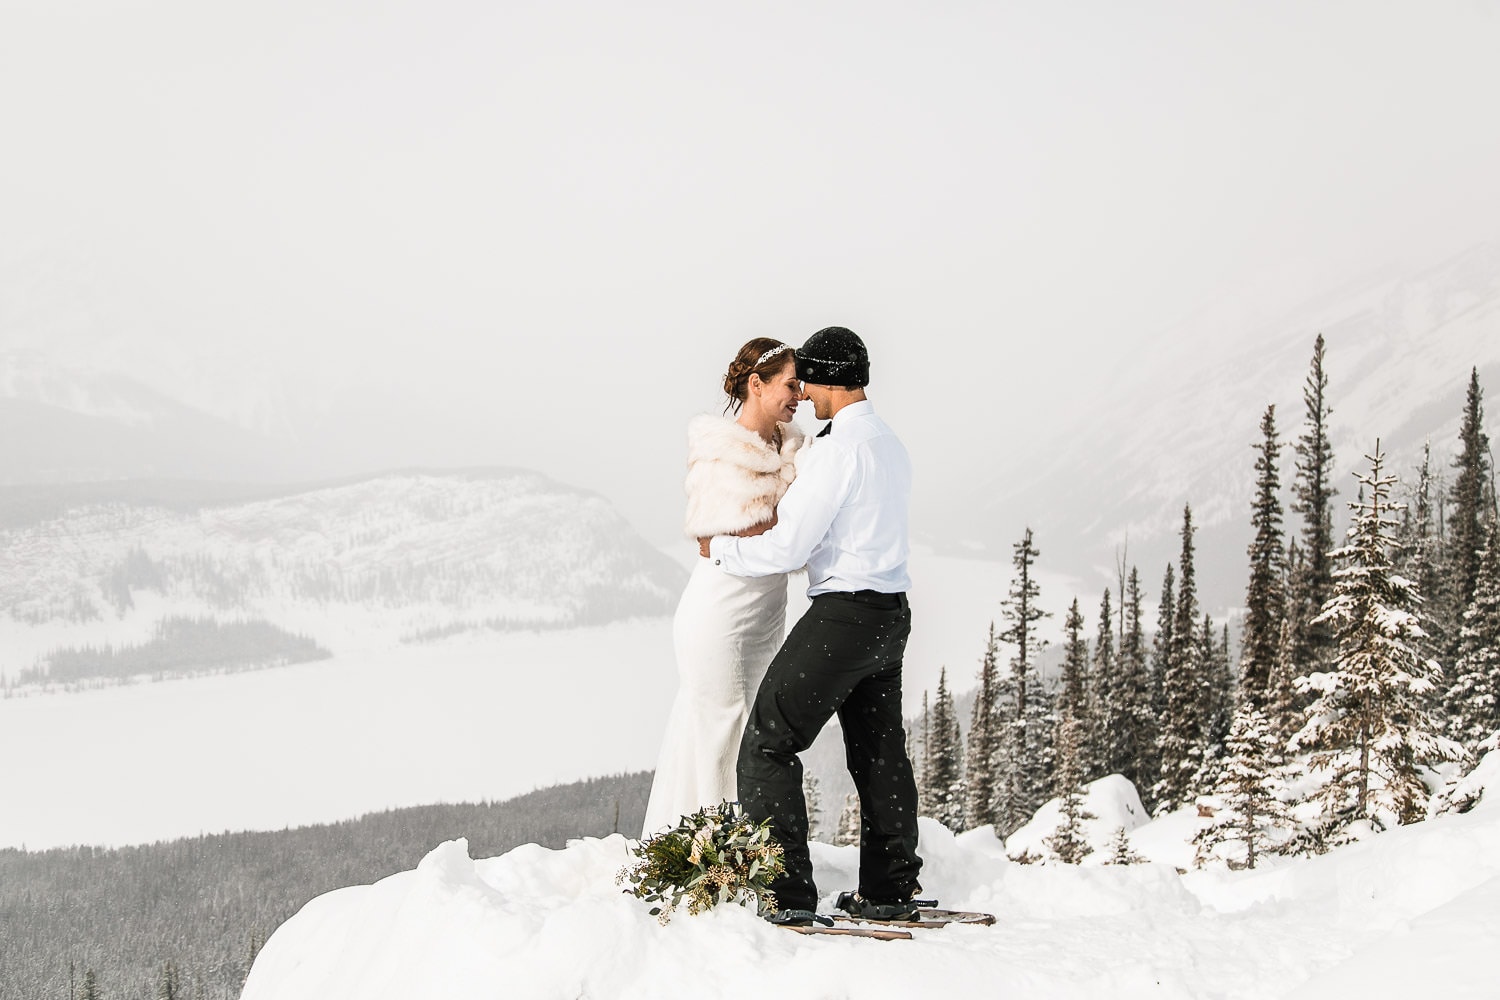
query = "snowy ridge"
x=553 y=924
x=375 y=562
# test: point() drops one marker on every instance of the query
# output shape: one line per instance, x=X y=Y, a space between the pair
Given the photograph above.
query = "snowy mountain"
x=1178 y=428
x=1410 y=912
x=76 y=422
x=369 y=563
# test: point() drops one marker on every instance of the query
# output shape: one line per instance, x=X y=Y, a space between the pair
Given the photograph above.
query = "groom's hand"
x=703 y=546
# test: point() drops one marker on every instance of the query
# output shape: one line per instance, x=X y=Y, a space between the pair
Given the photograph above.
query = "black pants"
x=844 y=657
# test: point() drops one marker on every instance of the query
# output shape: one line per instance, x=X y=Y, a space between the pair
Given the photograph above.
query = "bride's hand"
x=759 y=529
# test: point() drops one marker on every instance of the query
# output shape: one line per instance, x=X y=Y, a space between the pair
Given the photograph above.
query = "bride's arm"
x=754 y=529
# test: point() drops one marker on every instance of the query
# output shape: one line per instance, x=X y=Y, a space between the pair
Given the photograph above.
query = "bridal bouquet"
x=716 y=855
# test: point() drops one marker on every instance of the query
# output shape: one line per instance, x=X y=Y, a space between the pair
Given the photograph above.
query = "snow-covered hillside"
x=1178 y=427
x=399 y=557
x=1411 y=912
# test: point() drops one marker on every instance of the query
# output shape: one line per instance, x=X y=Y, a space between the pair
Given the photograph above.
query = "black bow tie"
x=827 y=429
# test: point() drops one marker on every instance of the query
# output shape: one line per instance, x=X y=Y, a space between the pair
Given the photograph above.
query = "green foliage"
x=181 y=647
x=205 y=904
x=714 y=856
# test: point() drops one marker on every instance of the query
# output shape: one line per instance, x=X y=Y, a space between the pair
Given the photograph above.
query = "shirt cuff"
x=716 y=549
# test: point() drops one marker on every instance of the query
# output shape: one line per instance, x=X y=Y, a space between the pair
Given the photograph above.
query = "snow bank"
x=553 y=924
x=1112 y=800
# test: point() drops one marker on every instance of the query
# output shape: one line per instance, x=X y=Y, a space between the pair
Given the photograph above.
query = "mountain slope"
x=1178 y=428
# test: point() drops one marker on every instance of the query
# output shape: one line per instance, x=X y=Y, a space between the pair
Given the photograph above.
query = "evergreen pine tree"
x=90 y=990
x=1068 y=842
x=1022 y=614
x=1248 y=788
x=1368 y=730
x=1281 y=701
x=945 y=791
x=1107 y=754
x=1217 y=705
x=1136 y=721
x=1421 y=550
x=1265 y=598
x=1023 y=771
x=169 y=986
x=1073 y=698
x=1161 y=642
x=847 y=834
x=1468 y=494
x=812 y=793
x=1473 y=698
x=1120 y=852
x=1466 y=521
x=1161 y=655
x=983 y=751
x=1182 y=726
x=1314 y=501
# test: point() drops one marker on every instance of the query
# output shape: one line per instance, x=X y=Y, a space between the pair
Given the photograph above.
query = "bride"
x=727 y=628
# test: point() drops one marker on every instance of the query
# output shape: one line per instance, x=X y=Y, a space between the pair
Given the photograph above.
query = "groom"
x=844 y=518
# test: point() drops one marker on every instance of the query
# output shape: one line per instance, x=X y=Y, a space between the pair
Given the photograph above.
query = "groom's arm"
x=803 y=518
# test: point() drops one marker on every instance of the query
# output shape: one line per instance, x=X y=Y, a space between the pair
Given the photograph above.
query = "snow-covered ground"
x=480 y=715
x=1412 y=912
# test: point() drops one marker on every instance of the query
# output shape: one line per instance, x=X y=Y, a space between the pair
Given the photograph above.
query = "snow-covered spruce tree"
x=847 y=834
x=1218 y=701
x=1181 y=737
x=1465 y=514
x=1265 y=596
x=1368 y=730
x=1073 y=693
x=1281 y=699
x=1068 y=842
x=1135 y=722
x=1106 y=744
x=1161 y=642
x=1021 y=615
x=1023 y=772
x=1161 y=655
x=945 y=789
x=983 y=751
x=1248 y=790
x=1473 y=698
x=1420 y=551
x=1314 y=495
x=1120 y=852
x=812 y=794
x=169 y=985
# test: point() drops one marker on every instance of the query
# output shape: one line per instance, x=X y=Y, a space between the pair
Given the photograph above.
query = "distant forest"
x=181 y=647
x=185 y=919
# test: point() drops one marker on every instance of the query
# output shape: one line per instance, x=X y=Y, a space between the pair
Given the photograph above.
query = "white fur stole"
x=735 y=478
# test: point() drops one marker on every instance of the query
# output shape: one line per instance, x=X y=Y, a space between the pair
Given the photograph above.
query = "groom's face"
x=822 y=399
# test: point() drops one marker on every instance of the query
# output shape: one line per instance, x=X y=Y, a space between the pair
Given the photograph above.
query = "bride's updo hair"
x=763 y=356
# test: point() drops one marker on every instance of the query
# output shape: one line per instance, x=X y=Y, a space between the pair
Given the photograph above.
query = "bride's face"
x=780 y=396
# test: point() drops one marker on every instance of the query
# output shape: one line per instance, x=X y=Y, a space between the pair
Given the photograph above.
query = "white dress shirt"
x=845 y=517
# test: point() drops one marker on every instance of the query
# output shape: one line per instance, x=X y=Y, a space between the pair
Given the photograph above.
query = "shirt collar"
x=852 y=412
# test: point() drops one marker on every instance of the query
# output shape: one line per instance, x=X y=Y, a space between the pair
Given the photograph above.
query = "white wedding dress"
x=727 y=628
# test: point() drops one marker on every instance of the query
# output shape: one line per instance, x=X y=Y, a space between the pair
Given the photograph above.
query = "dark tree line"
x=1387 y=645
x=185 y=919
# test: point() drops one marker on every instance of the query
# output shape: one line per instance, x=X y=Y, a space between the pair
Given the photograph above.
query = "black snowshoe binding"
x=856 y=905
x=798 y=918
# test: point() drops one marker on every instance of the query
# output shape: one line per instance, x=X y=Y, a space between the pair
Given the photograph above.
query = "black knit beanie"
x=834 y=356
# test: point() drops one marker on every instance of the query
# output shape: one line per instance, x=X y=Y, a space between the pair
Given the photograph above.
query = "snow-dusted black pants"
x=844 y=657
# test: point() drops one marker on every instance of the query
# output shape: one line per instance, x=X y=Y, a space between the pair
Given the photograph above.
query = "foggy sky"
x=463 y=232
